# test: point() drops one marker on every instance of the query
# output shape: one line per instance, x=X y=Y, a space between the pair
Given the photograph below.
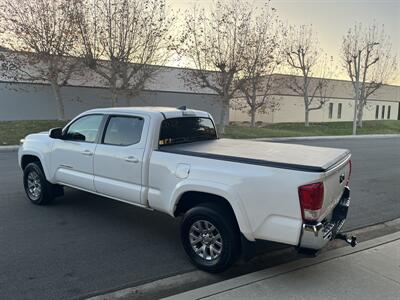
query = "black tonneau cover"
x=278 y=155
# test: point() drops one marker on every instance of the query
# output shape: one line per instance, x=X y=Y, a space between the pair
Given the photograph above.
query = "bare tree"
x=261 y=57
x=214 y=45
x=369 y=63
x=306 y=59
x=43 y=33
x=121 y=40
x=7 y=65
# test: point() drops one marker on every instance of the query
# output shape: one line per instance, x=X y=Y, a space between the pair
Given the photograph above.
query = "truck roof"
x=167 y=112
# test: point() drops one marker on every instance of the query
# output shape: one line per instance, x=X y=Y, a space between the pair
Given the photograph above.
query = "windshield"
x=186 y=129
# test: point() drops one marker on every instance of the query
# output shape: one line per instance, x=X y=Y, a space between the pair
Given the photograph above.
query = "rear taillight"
x=350 y=167
x=311 y=199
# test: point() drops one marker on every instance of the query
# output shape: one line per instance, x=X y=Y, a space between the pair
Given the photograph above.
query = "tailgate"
x=335 y=179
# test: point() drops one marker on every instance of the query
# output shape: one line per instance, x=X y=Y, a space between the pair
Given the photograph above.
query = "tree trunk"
x=60 y=103
x=253 y=117
x=224 y=116
x=306 y=117
x=114 y=98
x=306 y=105
x=113 y=90
x=360 y=115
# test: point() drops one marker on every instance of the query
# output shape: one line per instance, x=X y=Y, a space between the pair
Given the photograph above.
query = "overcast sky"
x=330 y=18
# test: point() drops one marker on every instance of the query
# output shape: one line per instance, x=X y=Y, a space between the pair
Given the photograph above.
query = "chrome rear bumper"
x=316 y=236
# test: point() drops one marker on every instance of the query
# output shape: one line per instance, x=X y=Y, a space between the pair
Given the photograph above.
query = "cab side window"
x=84 y=129
x=123 y=131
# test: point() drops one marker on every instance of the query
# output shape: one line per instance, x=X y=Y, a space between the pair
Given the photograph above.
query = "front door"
x=72 y=157
x=118 y=159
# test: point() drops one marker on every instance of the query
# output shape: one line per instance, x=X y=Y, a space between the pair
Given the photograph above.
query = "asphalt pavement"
x=85 y=244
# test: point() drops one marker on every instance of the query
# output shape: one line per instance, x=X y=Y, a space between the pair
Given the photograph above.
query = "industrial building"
x=25 y=100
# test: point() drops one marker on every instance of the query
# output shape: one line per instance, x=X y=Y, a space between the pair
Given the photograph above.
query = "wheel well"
x=191 y=199
x=27 y=159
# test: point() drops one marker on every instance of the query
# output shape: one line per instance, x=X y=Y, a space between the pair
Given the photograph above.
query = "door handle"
x=87 y=152
x=132 y=159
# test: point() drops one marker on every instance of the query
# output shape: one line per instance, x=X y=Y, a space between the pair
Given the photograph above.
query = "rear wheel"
x=210 y=238
x=37 y=188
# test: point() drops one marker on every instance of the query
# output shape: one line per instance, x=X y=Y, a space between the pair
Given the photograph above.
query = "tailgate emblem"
x=341 y=178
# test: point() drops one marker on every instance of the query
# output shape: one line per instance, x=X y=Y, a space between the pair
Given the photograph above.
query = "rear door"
x=72 y=157
x=118 y=160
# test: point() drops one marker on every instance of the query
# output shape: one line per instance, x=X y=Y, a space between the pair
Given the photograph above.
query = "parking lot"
x=84 y=244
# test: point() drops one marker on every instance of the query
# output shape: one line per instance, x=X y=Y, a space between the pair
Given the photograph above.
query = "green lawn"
x=12 y=131
x=315 y=129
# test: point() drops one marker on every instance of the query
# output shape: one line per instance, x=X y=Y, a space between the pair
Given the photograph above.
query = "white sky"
x=330 y=18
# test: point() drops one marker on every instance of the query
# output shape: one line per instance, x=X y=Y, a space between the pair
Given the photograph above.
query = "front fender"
x=40 y=150
x=217 y=189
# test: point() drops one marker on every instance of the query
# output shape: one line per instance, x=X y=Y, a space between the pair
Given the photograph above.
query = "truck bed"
x=287 y=156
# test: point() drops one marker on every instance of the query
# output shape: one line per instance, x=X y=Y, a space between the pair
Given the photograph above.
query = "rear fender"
x=217 y=189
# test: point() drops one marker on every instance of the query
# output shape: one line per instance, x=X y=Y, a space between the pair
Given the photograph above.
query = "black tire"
x=225 y=225
x=43 y=194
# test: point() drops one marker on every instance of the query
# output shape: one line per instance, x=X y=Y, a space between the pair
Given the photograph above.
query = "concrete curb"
x=9 y=148
x=244 y=280
x=330 y=137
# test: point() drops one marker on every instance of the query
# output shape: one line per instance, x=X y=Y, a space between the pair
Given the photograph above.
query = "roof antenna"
x=183 y=107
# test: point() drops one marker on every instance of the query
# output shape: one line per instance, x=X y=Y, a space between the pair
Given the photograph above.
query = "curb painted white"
x=247 y=279
x=9 y=148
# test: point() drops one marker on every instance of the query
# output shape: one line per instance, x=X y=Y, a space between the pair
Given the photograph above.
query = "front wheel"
x=210 y=238
x=37 y=188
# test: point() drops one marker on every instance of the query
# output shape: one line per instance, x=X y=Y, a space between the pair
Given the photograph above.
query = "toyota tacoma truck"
x=229 y=193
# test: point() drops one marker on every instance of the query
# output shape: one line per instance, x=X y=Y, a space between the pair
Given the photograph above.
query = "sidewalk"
x=369 y=271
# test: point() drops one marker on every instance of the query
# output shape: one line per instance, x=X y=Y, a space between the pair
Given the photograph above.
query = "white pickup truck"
x=229 y=192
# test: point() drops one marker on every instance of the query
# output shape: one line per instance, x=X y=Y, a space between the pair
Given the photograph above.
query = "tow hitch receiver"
x=352 y=241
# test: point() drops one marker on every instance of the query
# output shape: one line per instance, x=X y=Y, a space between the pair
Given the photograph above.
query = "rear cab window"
x=123 y=130
x=186 y=130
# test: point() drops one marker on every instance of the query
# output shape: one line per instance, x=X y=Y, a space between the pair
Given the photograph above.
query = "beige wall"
x=292 y=110
x=291 y=107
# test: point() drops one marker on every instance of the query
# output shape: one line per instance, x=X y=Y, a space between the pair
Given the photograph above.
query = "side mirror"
x=56 y=133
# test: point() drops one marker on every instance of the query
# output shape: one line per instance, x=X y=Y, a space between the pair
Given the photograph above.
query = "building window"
x=339 y=111
x=383 y=112
x=377 y=112
x=330 y=110
x=388 y=115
